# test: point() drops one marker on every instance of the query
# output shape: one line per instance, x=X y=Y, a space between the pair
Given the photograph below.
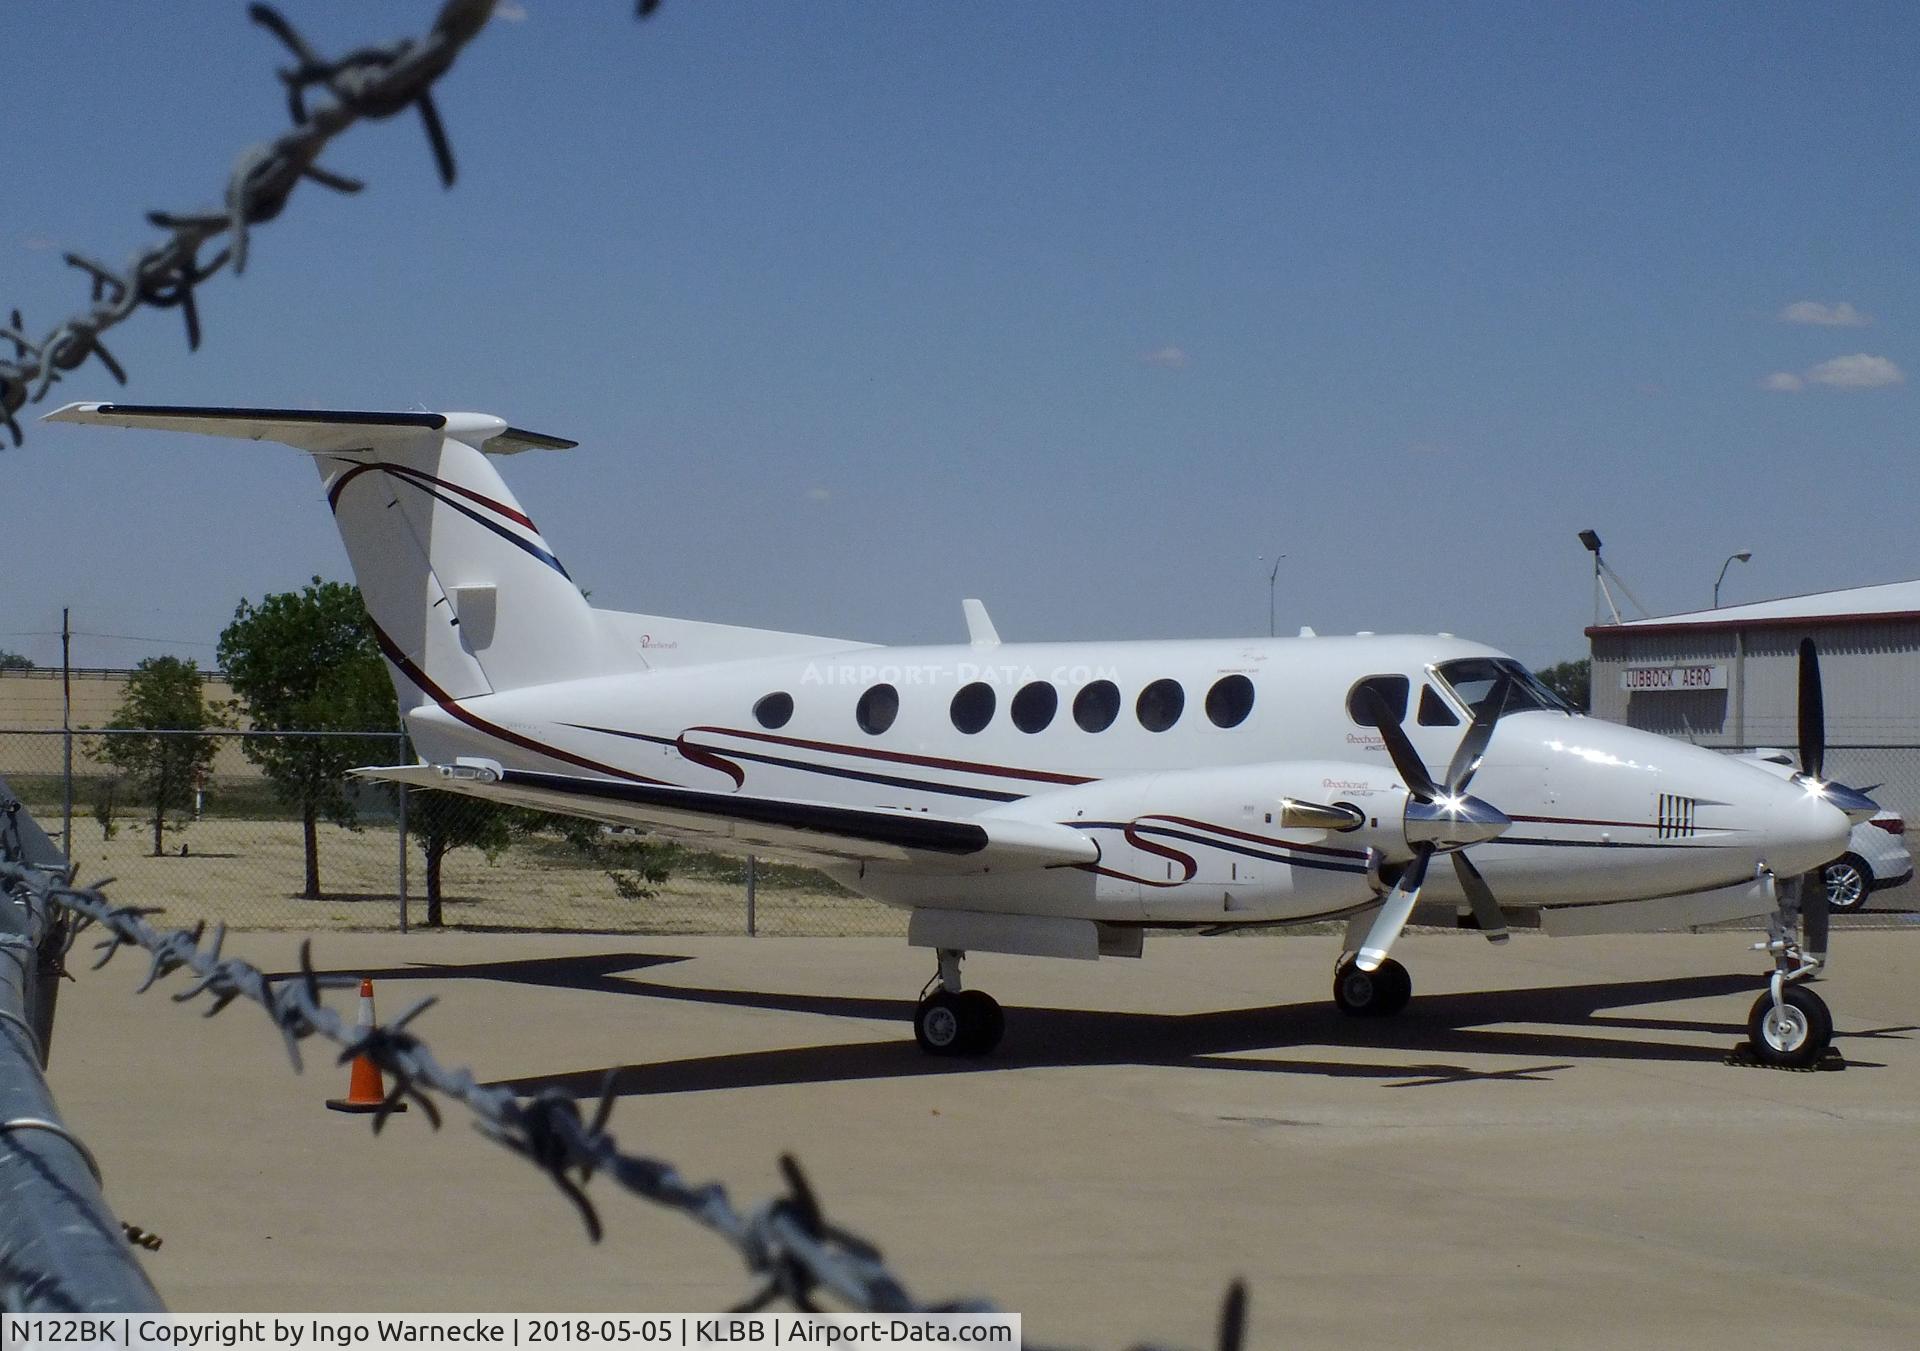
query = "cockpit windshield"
x=1474 y=679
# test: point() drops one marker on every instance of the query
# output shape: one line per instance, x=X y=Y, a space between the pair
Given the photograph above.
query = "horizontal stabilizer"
x=311 y=429
x=816 y=833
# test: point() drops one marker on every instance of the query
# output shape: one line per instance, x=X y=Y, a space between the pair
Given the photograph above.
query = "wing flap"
x=818 y=833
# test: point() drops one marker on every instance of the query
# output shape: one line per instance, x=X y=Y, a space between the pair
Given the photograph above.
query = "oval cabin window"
x=972 y=707
x=1229 y=701
x=1160 y=705
x=1096 y=706
x=774 y=710
x=1034 y=706
x=877 y=709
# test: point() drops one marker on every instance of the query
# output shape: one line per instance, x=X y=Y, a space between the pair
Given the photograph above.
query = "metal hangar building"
x=1729 y=678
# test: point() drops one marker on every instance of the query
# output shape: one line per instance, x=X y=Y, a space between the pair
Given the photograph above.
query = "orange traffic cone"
x=365 y=1091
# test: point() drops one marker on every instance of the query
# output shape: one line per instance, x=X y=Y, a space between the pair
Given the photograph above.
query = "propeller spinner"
x=1438 y=818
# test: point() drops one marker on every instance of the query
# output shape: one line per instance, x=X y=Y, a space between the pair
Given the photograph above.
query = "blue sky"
x=859 y=309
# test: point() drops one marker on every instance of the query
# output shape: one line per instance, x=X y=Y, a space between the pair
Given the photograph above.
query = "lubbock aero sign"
x=1641 y=679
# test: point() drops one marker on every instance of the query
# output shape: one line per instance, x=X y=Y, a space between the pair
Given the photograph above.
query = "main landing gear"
x=1790 y=1025
x=952 y=1021
x=1380 y=993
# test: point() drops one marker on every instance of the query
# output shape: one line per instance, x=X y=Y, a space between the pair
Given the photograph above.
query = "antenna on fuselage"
x=980 y=630
x=1601 y=572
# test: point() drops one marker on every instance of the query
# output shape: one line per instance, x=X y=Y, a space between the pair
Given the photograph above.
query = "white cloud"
x=1837 y=315
x=819 y=494
x=510 y=11
x=1858 y=371
x=1167 y=358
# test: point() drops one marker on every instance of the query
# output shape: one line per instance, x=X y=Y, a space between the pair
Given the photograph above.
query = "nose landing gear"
x=951 y=1021
x=1791 y=1026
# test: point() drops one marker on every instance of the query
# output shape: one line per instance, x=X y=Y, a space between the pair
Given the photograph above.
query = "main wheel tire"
x=1796 y=1034
x=940 y=1024
x=982 y=1020
x=1399 y=987
x=1380 y=993
x=1848 y=881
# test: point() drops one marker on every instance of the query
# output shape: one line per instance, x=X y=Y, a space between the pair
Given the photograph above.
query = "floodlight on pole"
x=1273 y=580
x=1591 y=539
x=1601 y=572
x=1741 y=557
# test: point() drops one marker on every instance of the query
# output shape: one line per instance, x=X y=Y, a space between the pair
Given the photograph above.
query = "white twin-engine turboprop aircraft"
x=1052 y=799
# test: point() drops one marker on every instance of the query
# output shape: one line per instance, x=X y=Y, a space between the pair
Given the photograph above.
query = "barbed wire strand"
x=791 y=1250
x=368 y=84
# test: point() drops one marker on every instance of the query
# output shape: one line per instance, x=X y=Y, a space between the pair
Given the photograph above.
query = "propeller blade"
x=1813 y=712
x=1413 y=770
x=1394 y=913
x=1466 y=756
x=1493 y=921
x=1816 y=915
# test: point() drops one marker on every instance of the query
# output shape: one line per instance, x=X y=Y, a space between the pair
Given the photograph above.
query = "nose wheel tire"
x=948 y=1024
x=1371 y=994
x=1796 y=1033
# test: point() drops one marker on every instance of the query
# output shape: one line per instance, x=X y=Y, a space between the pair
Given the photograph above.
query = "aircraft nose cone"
x=1805 y=827
x=1454 y=822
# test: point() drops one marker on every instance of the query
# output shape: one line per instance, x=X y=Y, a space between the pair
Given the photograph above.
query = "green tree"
x=443 y=822
x=1572 y=681
x=164 y=694
x=305 y=661
x=13 y=661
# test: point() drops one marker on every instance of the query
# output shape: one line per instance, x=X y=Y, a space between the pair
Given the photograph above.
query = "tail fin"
x=466 y=596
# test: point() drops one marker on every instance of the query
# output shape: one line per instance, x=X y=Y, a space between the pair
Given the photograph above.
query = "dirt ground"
x=250 y=875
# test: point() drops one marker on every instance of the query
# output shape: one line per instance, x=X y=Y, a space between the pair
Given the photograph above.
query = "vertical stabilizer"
x=467 y=593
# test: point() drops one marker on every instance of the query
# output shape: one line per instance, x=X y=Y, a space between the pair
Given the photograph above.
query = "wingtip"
x=72 y=412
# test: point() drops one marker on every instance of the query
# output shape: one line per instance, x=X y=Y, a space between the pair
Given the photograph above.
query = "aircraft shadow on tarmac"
x=1479 y=1023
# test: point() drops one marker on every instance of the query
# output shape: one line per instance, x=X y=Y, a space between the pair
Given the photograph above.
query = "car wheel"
x=1848 y=880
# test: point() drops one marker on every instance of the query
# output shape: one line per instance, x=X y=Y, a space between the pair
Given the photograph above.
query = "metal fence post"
x=750 y=898
x=400 y=819
x=401 y=756
x=66 y=732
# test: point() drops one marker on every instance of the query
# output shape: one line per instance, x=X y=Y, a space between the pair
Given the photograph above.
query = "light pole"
x=1741 y=556
x=1273 y=579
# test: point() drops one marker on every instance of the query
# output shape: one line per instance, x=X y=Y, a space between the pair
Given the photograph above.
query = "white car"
x=1877 y=856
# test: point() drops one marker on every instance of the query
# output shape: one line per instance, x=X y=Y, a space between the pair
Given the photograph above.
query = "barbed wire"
x=368 y=84
x=790 y=1248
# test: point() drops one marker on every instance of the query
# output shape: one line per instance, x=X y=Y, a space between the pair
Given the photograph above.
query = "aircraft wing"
x=814 y=833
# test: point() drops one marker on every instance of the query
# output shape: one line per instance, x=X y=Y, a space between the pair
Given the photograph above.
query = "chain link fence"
x=232 y=850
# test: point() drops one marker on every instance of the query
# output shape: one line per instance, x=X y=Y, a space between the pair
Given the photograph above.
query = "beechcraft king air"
x=1053 y=799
